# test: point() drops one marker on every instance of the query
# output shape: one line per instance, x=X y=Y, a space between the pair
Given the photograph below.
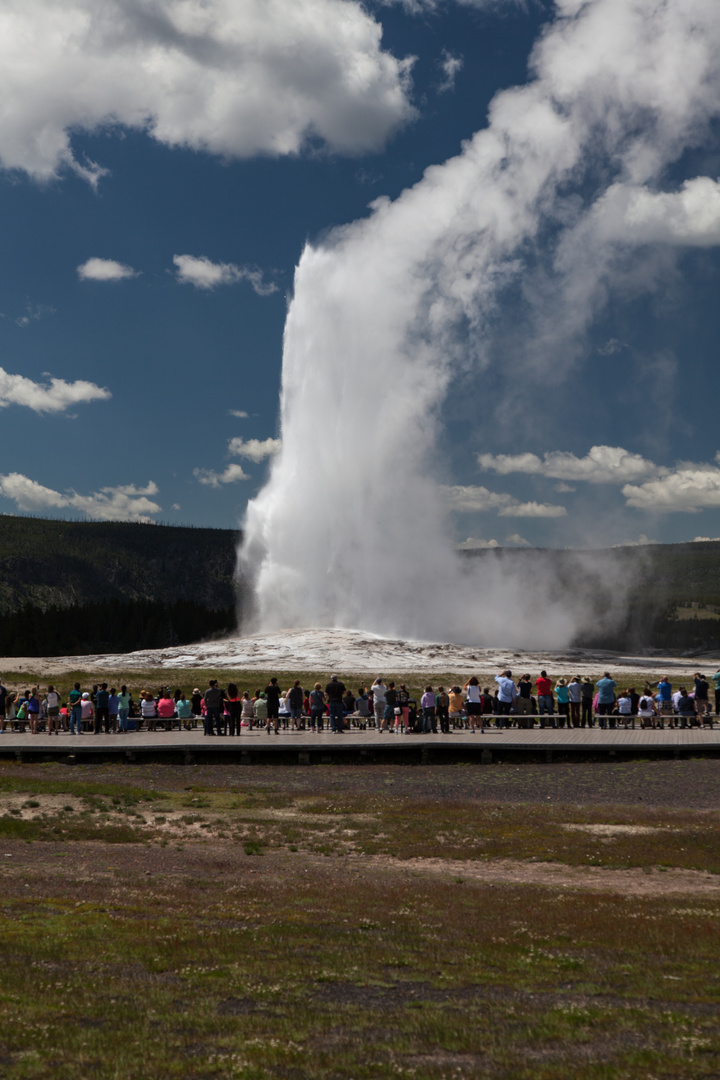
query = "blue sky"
x=164 y=164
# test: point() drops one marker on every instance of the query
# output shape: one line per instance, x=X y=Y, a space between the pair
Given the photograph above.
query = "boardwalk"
x=304 y=747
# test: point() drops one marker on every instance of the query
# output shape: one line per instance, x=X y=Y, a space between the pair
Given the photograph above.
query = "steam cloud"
x=561 y=189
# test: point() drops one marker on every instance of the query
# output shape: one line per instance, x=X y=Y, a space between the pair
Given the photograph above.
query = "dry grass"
x=250 y=929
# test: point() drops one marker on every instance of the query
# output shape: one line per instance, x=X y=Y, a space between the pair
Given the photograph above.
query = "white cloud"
x=201 y=272
x=233 y=77
x=254 y=449
x=28 y=494
x=450 y=65
x=687 y=489
x=635 y=214
x=705 y=539
x=124 y=503
x=51 y=397
x=601 y=465
x=468 y=500
x=471 y=544
x=231 y=475
x=642 y=541
x=105 y=270
x=517 y=540
x=239 y=414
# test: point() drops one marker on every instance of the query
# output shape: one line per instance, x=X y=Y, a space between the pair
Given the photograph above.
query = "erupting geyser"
x=561 y=188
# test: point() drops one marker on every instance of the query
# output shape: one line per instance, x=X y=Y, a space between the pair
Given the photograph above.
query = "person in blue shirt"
x=606 y=697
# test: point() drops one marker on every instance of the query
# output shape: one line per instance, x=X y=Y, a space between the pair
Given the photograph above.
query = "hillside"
x=658 y=596
x=89 y=587
x=68 y=586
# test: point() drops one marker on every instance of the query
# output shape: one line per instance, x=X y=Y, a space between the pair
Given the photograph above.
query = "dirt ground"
x=678 y=786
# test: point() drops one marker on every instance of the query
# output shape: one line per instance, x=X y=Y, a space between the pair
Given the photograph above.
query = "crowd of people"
x=575 y=702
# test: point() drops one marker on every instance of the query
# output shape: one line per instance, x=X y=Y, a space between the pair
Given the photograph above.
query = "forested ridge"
x=663 y=597
x=71 y=587
x=76 y=586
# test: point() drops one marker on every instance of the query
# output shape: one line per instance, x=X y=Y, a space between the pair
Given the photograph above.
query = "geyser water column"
x=349 y=530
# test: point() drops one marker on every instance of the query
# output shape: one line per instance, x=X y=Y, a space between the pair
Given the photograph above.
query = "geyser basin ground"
x=352 y=923
x=359 y=652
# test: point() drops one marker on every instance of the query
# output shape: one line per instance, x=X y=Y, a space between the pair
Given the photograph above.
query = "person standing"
x=442 y=709
x=575 y=696
x=233 y=704
x=427 y=704
x=379 y=691
x=474 y=704
x=33 y=711
x=123 y=708
x=52 y=704
x=524 y=702
x=716 y=683
x=389 y=718
x=563 y=702
x=213 y=700
x=317 y=707
x=507 y=692
x=272 y=696
x=545 y=699
x=75 y=703
x=294 y=698
x=403 y=700
x=702 y=692
x=665 y=698
x=588 y=693
x=606 y=697
x=335 y=690
x=102 y=709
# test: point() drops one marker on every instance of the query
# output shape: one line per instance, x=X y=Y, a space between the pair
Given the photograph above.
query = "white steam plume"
x=350 y=529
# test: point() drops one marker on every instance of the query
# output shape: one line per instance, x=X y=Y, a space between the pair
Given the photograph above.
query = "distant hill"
x=75 y=587
x=70 y=586
x=656 y=596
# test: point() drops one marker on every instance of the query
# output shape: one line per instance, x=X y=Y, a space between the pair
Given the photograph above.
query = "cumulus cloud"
x=601 y=465
x=236 y=78
x=641 y=541
x=472 y=544
x=469 y=499
x=231 y=475
x=52 y=397
x=517 y=540
x=254 y=449
x=201 y=272
x=686 y=489
x=637 y=214
x=124 y=503
x=705 y=539
x=239 y=414
x=105 y=270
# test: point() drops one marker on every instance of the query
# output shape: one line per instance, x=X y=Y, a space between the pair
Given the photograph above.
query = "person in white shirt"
x=52 y=710
x=379 y=690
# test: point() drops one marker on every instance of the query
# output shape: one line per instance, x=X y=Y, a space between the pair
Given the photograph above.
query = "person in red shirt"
x=545 y=699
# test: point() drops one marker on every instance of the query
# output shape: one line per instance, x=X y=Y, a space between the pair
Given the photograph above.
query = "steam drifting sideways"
x=549 y=200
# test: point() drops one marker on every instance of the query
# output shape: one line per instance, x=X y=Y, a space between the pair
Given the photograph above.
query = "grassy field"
x=225 y=921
